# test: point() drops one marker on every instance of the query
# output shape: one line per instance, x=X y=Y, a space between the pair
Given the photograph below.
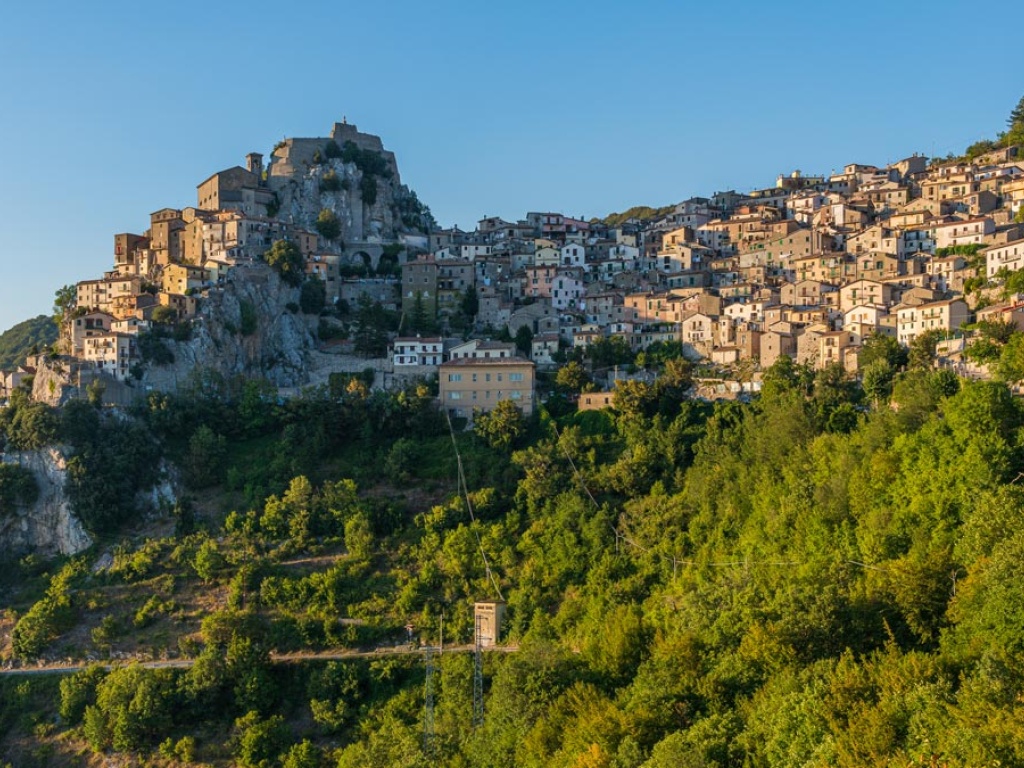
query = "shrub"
x=368 y=189
x=249 y=321
x=273 y=207
x=327 y=330
x=366 y=160
x=330 y=182
x=204 y=463
x=17 y=486
x=150 y=611
x=48 y=617
x=207 y=561
x=286 y=258
x=153 y=349
x=164 y=315
x=313 y=296
x=328 y=225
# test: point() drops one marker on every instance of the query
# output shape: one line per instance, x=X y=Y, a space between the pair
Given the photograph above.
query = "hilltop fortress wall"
x=293 y=156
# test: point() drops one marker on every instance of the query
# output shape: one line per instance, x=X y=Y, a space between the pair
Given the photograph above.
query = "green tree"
x=671 y=387
x=18 y=486
x=256 y=406
x=259 y=741
x=371 y=337
x=287 y=259
x=28 y=426
x=334 y=695
x=305 y=754
x=106 y=474
x=135 y=708
x=608 y=351
x=633 y=399
x=327 y=224
x=1010 y=365
x=419 y=320
x=992 y=338
x=524 y=340
x=78 y=691
x=1016 y=115
x=979 y=148
x=64 y=303
x=470 y=302
x=835 y=395
x=359 y=537
x=785 y=378
x=922 y=350
x=164 y=315
x=879 y=346
x=313 y=296
x=368 y=189
x=878 y=380
x=502 y=426
x=572 y=378
x=208 y=561
x=204 y=462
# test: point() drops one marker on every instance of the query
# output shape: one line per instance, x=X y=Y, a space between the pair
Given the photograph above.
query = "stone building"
x=469 y=385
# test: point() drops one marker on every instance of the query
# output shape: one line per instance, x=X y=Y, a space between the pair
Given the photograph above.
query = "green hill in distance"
x=18 y=342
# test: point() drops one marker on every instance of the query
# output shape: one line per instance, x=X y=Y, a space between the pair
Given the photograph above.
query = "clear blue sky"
x=111 y=110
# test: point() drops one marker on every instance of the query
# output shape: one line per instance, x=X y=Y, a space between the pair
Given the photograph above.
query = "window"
x=487 y=377
x=454 y=395
x=454 y=377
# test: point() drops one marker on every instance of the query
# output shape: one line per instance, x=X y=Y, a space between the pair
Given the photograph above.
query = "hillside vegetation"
x=814 y=579
x=23 y=339
x=643 y=212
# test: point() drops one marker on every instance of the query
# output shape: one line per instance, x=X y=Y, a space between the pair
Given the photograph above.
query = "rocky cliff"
x=48 y=526
x=246 y=327
x=361 y=187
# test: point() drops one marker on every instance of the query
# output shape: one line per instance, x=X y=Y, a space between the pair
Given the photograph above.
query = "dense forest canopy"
x=817 y=578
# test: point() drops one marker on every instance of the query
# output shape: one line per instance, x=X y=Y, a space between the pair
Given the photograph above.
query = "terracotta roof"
x=464 y=362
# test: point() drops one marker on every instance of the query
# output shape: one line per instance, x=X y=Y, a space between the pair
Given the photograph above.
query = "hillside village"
x=810 y=267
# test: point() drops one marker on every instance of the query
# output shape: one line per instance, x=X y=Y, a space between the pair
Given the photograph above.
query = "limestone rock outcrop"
x=53 y=382
x=277 y=348
x=371 y=204
x=48 y=526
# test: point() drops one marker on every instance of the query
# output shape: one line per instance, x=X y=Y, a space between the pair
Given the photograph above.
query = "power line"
x=464 y=489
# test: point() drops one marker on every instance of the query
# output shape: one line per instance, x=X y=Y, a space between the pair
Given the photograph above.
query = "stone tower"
x=254 y=163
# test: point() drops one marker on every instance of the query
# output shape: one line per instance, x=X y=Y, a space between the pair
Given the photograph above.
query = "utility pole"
x=428 y=693
x=478 y=676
